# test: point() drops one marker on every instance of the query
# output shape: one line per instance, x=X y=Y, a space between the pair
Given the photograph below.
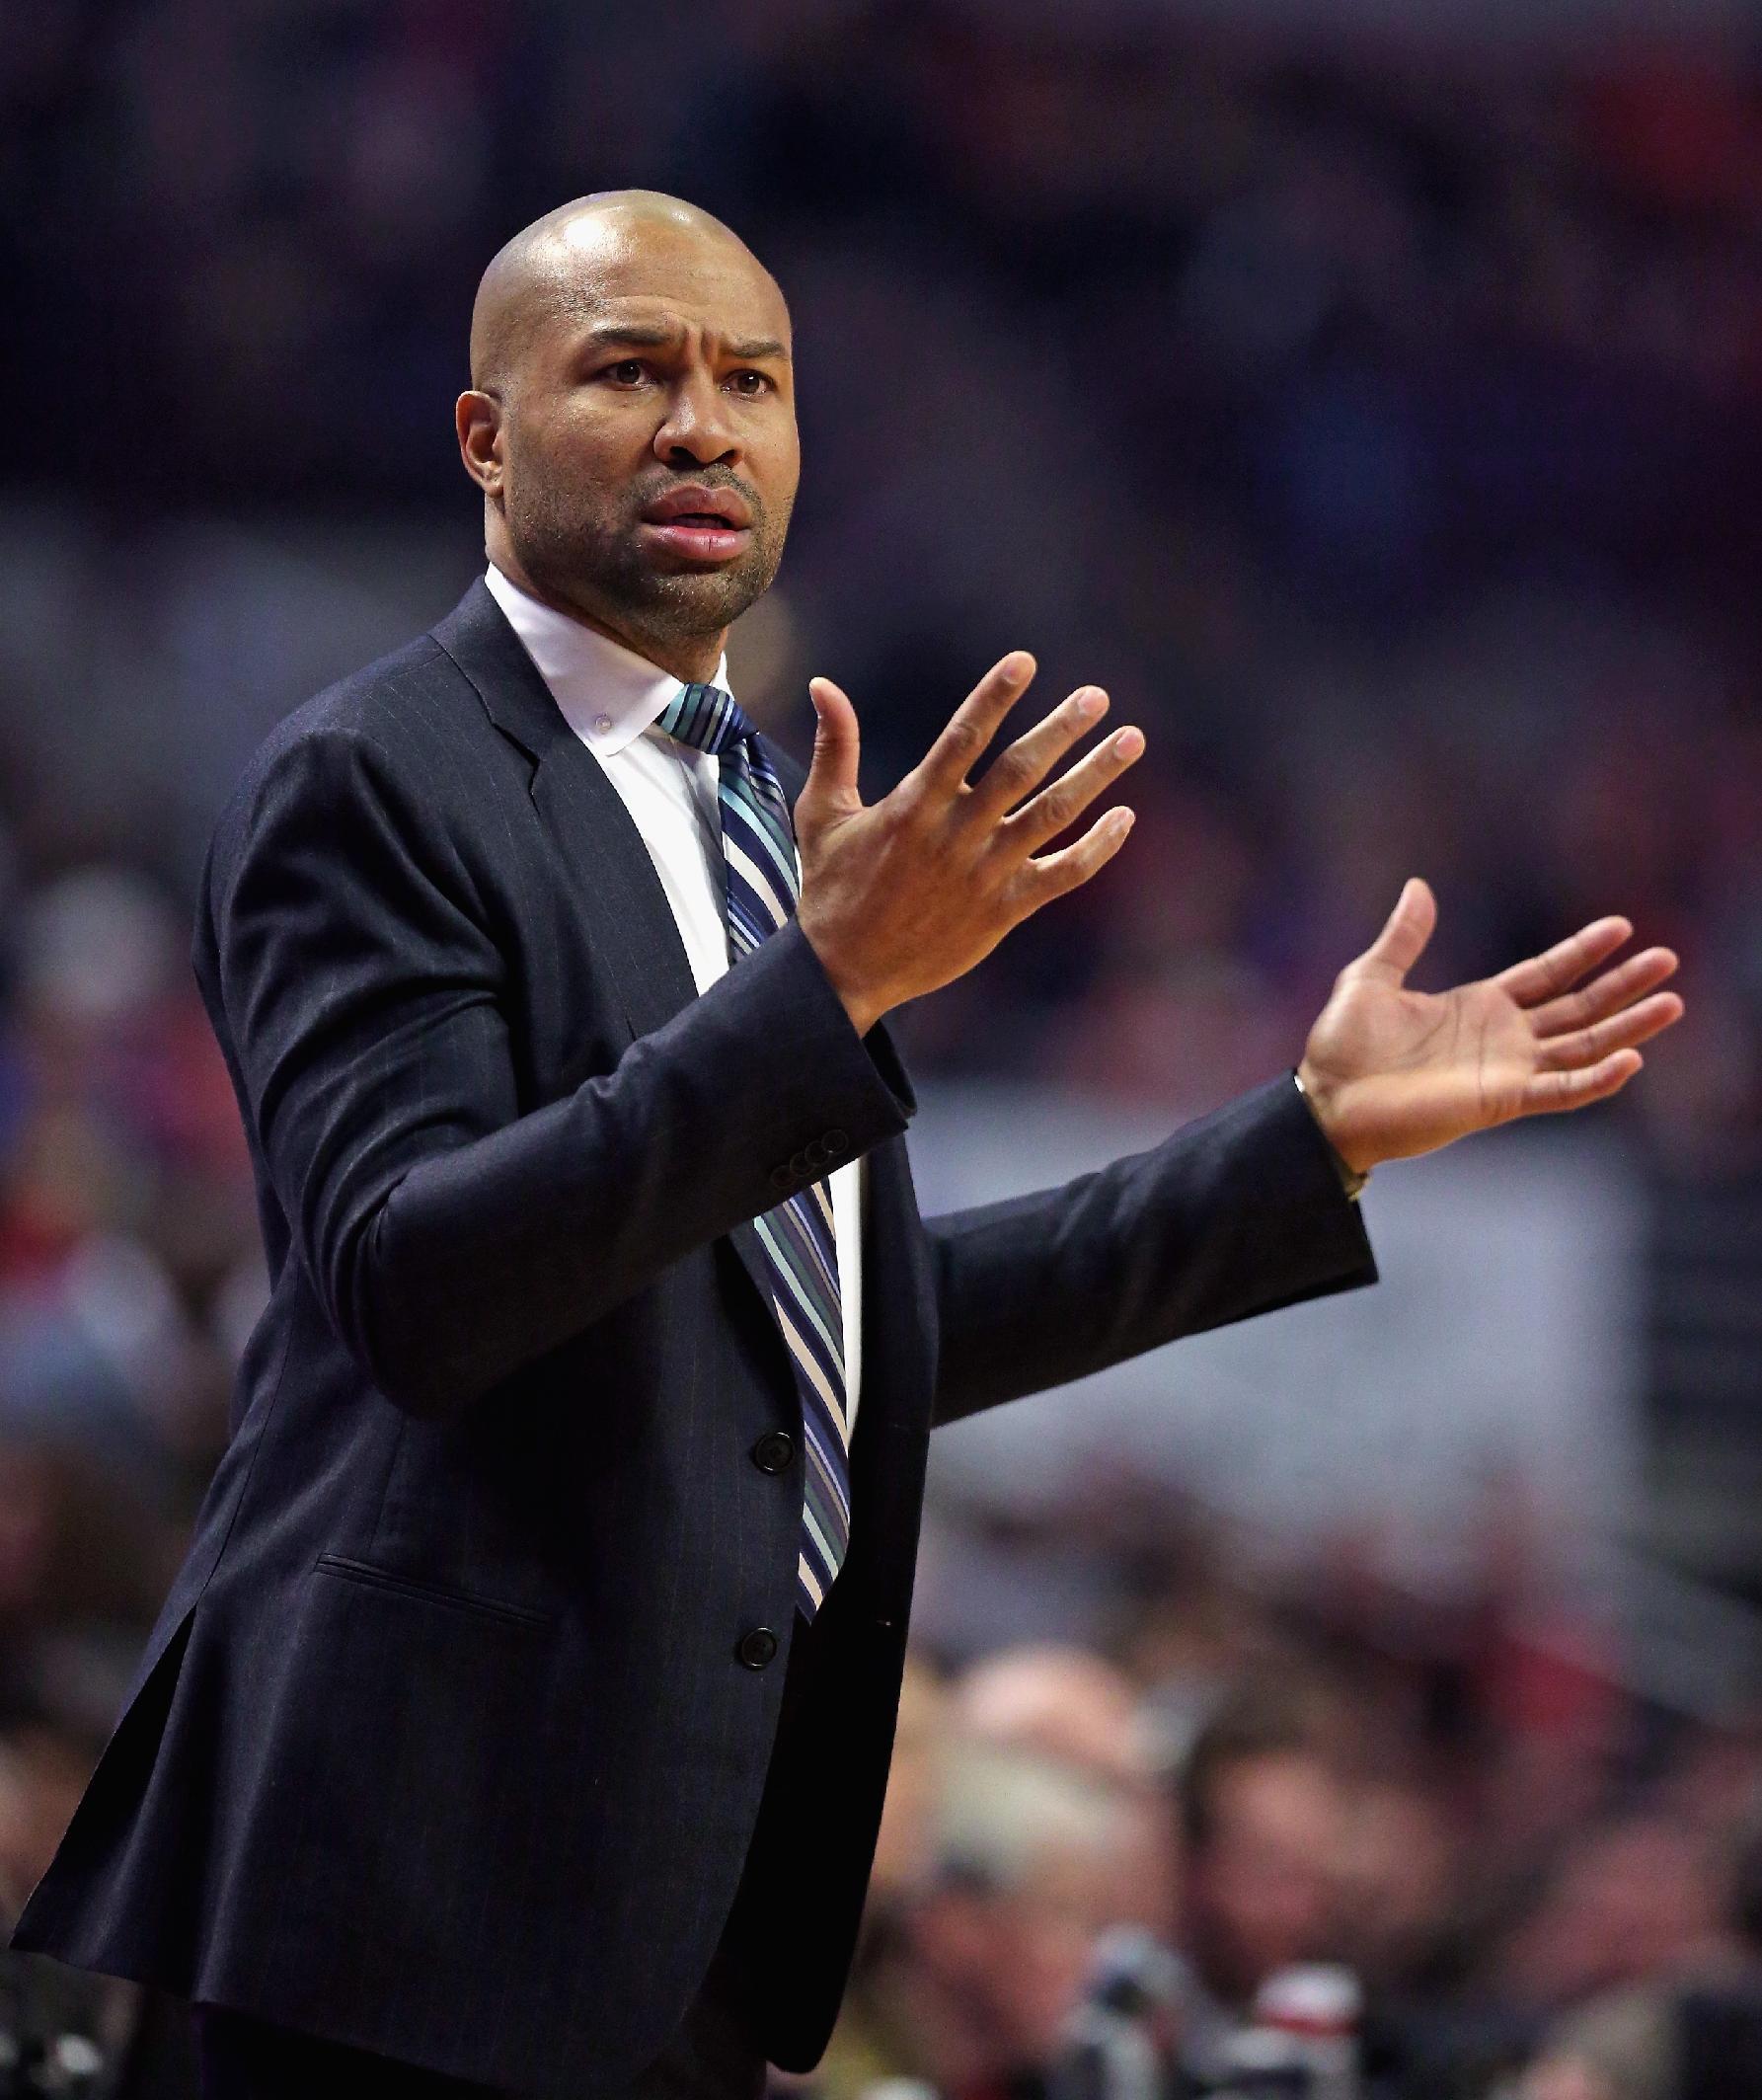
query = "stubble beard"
x=592 y=559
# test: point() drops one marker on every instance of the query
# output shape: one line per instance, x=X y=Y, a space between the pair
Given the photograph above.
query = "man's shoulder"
x=416 y=709
x=407 y=730
x=416 y=694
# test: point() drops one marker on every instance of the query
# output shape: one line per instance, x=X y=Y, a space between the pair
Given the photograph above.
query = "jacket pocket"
x=373 y=1577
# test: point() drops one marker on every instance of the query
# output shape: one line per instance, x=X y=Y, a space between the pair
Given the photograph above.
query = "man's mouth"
x=698 y=526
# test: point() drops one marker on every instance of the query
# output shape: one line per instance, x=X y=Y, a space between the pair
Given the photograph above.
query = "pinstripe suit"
x=449 y=1743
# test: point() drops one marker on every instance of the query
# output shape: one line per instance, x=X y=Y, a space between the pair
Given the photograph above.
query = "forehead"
x=658 y=272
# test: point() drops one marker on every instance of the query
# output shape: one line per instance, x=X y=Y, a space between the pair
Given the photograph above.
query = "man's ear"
x=476 y=416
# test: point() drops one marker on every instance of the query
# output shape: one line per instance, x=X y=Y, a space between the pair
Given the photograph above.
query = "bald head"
x=1056 y=1702
x=555 y=267
x=631 y=421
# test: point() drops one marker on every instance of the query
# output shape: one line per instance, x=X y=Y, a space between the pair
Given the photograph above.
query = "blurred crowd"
x=1380 y=420
x=1497 y=1875
x=1523 y=1871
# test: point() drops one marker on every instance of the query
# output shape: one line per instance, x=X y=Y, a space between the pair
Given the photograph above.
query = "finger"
x=1591 y=1045
x=1018 y=771
x=1607 y=994
x=830 y=789
x=975 y=722
x=1546 y=977
x=1404 y=934
x=1551 y=1093
x=1056 y=874
x=1059 y=805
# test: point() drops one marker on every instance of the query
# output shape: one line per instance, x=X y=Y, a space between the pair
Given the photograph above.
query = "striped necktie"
x=758 y=849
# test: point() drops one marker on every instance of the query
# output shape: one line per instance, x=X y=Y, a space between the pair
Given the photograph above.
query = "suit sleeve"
x=1238 y=1213
x=349 y=966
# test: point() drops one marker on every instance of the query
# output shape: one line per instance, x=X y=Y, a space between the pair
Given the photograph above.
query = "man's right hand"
x=906 y=896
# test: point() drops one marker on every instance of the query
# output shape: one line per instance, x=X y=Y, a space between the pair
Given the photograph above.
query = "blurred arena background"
x=1371 y=398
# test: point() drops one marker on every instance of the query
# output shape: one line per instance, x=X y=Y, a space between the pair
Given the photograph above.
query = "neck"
x=693 y=660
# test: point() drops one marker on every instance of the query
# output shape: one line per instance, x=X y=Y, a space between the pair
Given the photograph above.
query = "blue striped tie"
x=758 y=850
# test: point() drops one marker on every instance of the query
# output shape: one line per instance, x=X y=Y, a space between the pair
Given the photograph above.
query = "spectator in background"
x=1263 y=1819
x=968 y=1985
x=1399 y=1892
x=1692 y=2034
x=1073 y=1707
x=1063 y=1702
x=1263 y=1823
x=1633 y=1898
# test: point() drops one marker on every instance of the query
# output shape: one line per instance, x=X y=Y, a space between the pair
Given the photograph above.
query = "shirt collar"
x=608 y=694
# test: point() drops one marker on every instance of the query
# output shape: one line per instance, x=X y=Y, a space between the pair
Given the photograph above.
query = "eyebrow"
x=629 y=336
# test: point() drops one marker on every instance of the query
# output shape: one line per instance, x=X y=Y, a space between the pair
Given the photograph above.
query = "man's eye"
x=749 y=383
x=627 y=372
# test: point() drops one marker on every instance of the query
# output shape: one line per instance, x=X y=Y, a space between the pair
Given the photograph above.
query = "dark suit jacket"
x=448 y=1741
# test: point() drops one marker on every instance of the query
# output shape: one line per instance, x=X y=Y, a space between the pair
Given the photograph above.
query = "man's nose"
x=696 y=431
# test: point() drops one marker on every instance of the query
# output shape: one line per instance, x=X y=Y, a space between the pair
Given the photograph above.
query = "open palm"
x=1393 y=1073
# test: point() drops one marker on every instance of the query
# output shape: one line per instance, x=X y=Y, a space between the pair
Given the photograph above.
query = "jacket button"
x=773 y=1451
x=782 y=1179
x=815 y=1154
x=836 y=1143
x=757 y=1648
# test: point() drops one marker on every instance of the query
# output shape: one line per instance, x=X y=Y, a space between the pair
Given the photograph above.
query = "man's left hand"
x=1391 y=1071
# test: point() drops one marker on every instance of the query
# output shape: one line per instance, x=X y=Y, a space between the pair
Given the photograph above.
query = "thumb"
x=831 y=785
x=1403 y=939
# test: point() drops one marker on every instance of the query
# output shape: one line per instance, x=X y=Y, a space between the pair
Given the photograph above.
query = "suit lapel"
x=611 y=872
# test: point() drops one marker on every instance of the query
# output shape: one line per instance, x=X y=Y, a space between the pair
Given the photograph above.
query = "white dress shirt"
x=612 y=699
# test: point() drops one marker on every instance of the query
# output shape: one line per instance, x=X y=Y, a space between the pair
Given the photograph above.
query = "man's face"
x=1015 y=1961
x=1262 y=1891
x=645 y=447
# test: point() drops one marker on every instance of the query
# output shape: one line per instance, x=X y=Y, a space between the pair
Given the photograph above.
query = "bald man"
x=519 y=1720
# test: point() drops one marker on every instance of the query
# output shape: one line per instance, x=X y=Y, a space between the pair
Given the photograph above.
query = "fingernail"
x=1122 y=820
x=1129 y=743
x=1092 y=703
